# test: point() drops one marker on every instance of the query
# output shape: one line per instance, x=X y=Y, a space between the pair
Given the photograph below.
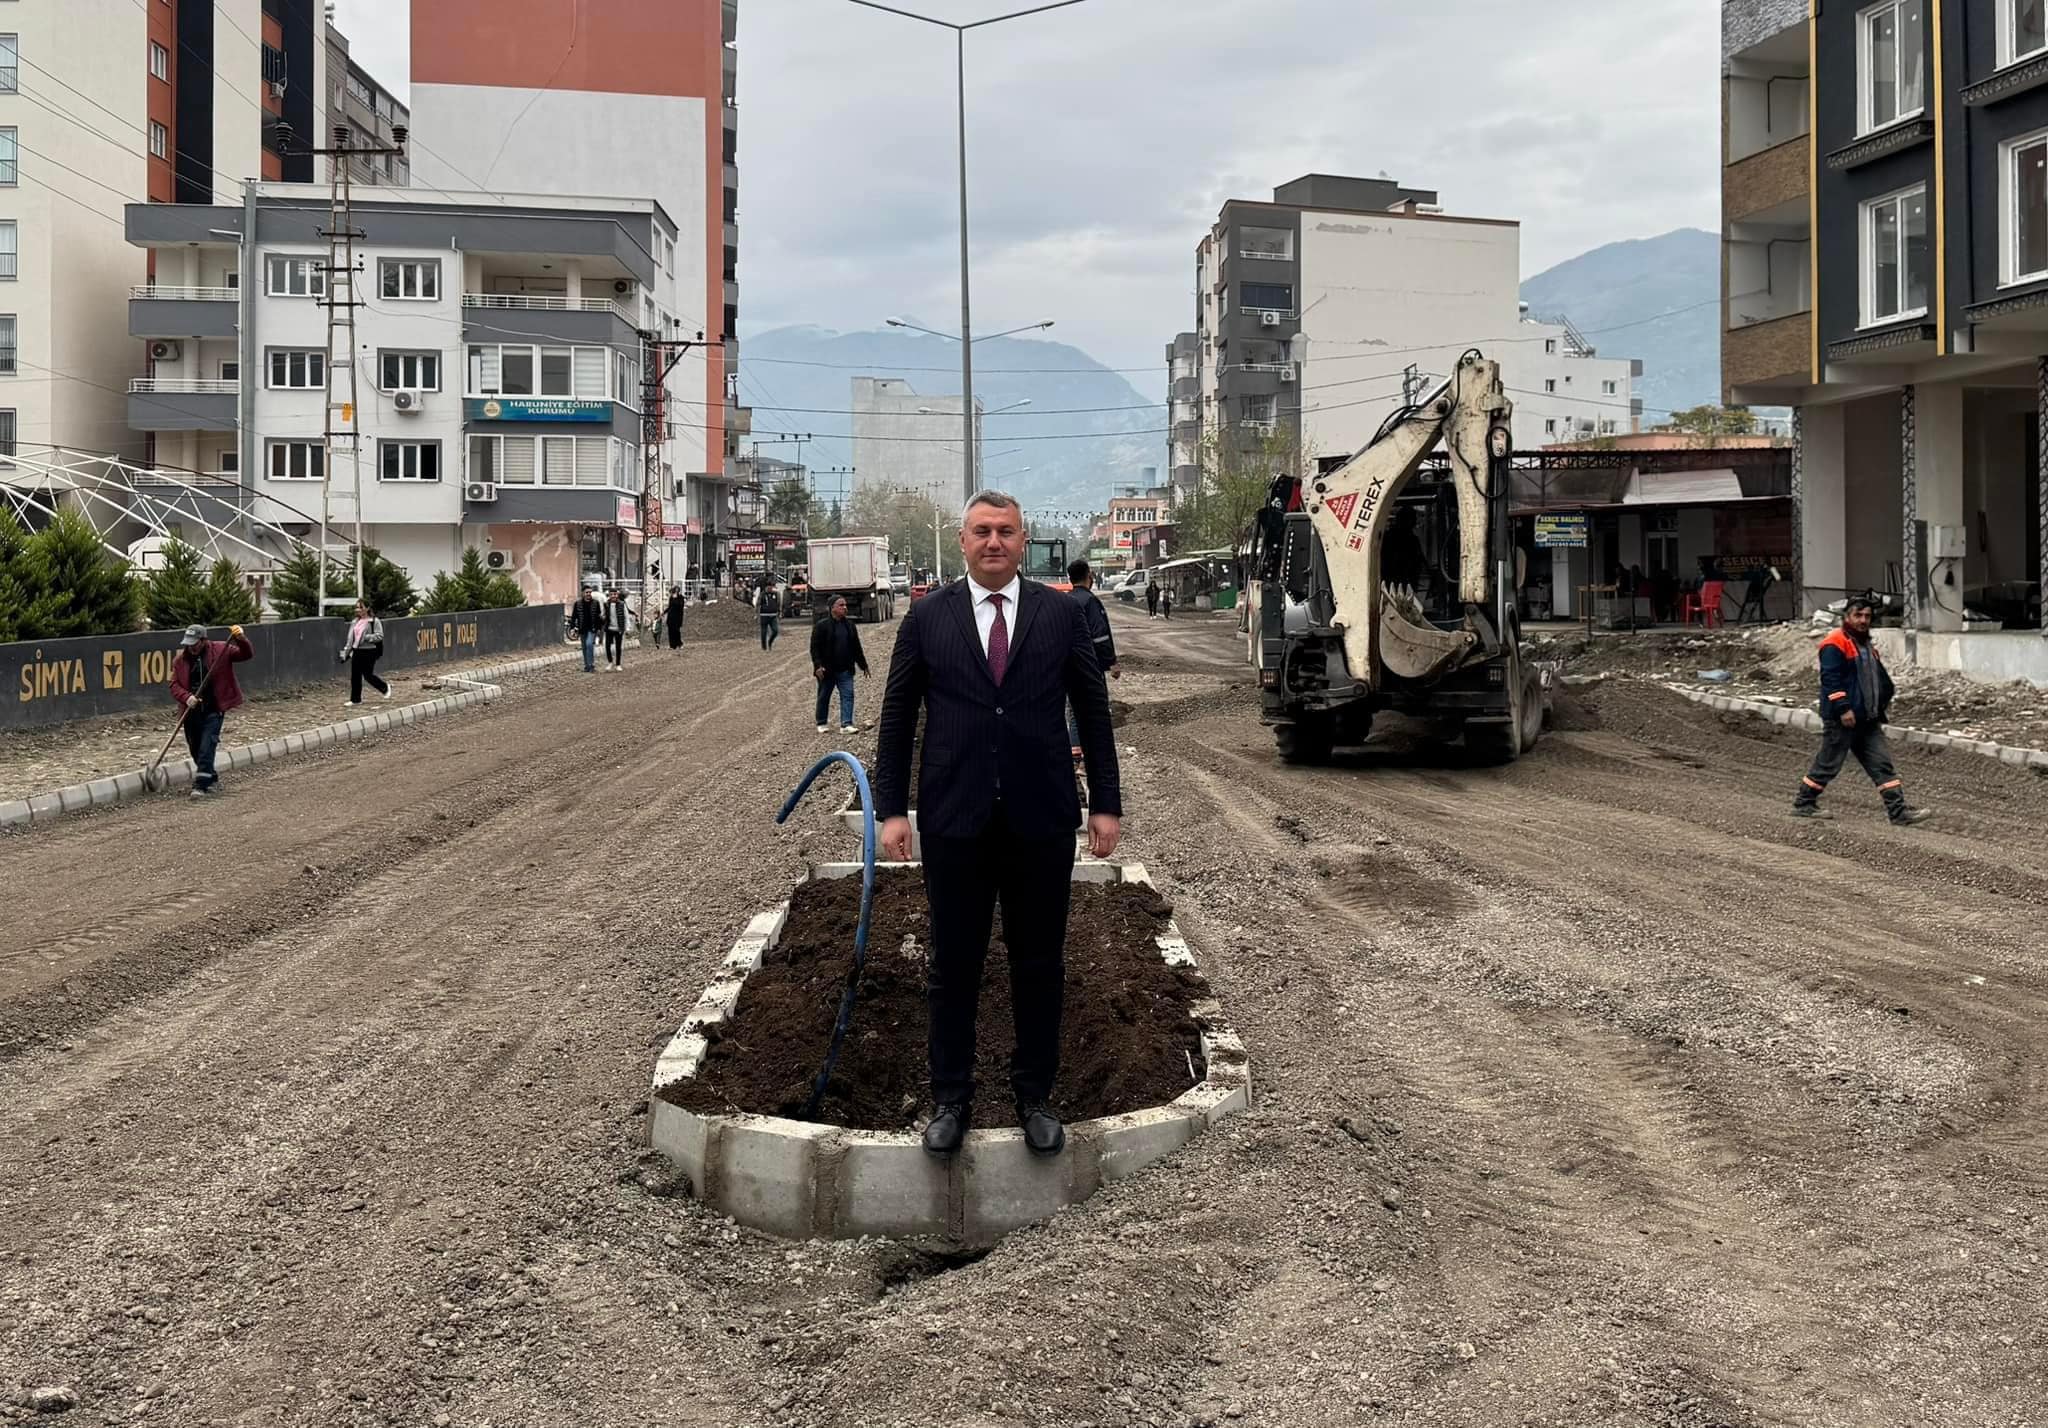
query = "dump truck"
x=1378 y=586
x=858 y=568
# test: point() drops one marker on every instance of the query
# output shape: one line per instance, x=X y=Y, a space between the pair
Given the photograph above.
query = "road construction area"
x=1591 y=1089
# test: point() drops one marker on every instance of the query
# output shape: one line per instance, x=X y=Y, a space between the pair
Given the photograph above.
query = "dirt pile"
x=723 y=620
x=1127 y=1039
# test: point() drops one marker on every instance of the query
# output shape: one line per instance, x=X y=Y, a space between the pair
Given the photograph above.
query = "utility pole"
x=658 y=358
x=1411 y=385
x=341 y=434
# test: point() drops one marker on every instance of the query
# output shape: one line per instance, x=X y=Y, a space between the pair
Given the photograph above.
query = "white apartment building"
x=106 y=101
x=912 y=442
x=1322 y=311
x=498 y=363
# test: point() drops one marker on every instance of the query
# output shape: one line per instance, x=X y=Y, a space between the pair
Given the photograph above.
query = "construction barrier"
x=44 y=682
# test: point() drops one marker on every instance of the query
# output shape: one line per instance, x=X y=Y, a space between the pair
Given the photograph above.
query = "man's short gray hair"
x=1002 y=500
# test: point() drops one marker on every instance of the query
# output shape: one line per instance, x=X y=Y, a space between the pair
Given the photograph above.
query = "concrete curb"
x=40 y=808
x=803 y=1181
x=1810 y=720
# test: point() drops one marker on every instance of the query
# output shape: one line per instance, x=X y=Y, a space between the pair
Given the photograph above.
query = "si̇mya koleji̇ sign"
x=536 y=409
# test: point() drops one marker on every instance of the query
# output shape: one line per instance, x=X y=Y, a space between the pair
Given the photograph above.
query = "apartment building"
x=499 y=372
x=1319 y=313
x=618 y=97
x=1184 y=408
x=1139 y=517
x=373 y=115
x=1885 y=231
x=913 y=442
x=109 y=101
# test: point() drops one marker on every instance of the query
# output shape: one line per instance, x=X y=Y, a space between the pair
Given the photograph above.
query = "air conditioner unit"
x=277 y=88
x=497 y=559
x=1269 y=319
x=1287 y=371
x=165 y=351
x=478 y=492
x=623 y=286
x=406 y=400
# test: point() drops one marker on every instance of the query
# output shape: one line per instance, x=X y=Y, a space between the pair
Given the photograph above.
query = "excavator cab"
x=1045 y=561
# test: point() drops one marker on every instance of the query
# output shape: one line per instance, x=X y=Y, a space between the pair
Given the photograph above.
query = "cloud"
x=1103 y=138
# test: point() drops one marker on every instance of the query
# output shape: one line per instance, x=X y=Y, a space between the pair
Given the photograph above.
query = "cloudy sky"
x=1102 y=138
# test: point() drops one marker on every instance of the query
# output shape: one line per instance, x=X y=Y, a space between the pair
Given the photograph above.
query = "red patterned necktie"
x=998 y=642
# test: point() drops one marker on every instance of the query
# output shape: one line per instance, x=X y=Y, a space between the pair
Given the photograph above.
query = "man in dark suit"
x=992 y=660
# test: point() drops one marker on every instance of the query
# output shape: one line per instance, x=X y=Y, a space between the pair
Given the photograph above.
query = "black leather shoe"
x=1043 y=1133
x=947 y=1128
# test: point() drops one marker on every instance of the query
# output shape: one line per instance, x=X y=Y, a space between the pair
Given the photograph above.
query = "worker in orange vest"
x=1855 y=695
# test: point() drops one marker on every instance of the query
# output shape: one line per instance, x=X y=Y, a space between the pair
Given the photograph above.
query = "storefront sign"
x=535 y=409
x=694 y=526
x=785 y=542
x=749 y=547
x=628 y=513
x=1561 y=532
x=674 y=530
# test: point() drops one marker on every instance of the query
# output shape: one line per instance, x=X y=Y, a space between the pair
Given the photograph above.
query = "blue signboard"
x=1561 y=531
x=535 y=409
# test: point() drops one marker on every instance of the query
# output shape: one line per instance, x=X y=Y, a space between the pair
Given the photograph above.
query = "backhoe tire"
x=1504 y=743
x=1306 y=741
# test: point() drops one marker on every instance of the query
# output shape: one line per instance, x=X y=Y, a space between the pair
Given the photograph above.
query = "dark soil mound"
x=726 y=619
x=1126 y=1041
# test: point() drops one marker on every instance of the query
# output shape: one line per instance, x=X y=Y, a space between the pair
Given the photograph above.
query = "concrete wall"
x=1873 y=520
x=544 y=558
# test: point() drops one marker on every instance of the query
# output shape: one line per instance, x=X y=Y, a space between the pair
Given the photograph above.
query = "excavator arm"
x=1352 y=507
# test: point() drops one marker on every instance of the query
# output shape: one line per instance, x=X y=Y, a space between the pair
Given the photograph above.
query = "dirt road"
x=1591 y=1090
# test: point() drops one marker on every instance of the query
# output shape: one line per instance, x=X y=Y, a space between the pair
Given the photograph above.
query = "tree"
x=183 y=592
x=292 y=588
x=73 y=585
x=390 y=589
x=1236 y=473
x=473 y=586
x=13 y=597
x=789 y=503
x=1712 y=421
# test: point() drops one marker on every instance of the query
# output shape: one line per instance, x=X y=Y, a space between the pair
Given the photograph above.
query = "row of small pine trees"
x=61 y=583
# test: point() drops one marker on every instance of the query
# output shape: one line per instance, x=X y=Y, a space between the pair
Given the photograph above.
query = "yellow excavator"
x=1380 y=586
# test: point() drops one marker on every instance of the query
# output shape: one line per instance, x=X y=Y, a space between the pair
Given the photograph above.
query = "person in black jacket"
x=586 y=620
x=992 y=661
x=674 y=613
x=835 y=654
x=1083 y=581
x=616 y=621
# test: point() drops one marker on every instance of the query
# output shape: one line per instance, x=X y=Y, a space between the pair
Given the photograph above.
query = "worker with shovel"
x=203 y=683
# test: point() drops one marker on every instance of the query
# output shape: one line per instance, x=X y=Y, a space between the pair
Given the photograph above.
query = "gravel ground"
x=1590 y=1091
x=38 y=760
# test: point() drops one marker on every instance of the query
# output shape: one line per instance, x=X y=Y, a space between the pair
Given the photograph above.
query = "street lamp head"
x=892 y=322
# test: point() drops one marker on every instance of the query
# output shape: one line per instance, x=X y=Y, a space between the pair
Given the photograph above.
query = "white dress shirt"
x=985 y=610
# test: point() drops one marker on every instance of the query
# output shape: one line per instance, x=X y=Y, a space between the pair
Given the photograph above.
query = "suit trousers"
x=965 y=879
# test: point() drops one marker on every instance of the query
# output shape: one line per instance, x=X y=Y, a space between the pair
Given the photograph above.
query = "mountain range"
x=1656 y=299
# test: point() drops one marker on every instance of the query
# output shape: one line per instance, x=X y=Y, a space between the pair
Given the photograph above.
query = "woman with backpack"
x=364 y=648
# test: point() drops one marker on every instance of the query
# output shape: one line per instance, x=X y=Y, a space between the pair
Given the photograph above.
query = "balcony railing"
x=1285 y=314
x=184 y=386
x=1263 y=428
x=1285 y=369
x=1278 y=255
x=540 y=302
x=169 y=294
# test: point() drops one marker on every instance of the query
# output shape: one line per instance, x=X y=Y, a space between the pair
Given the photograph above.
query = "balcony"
x=1258 y=427
x=1770 y=187
x=159 y=311
x=1768 y=363
x=509 y=317
x=183 y=404
x=1271 y=255
x=732 y=178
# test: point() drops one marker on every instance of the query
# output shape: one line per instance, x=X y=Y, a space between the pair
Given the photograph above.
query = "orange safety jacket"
x=1841 y=688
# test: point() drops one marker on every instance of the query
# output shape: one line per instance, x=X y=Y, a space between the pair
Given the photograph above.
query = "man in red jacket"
x=203 y=683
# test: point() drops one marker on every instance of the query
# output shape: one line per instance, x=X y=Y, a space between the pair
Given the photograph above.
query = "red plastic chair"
x=1688 y=607
x=1709 y=607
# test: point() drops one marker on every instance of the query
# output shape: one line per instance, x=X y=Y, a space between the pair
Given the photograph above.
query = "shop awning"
x=1683 y=488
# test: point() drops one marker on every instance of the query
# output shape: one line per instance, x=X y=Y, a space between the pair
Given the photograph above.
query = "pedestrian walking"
x=617 y=620
x=835 y=655
x=768 y=605
x=991 y=661
x=676 y=605
x=203 y=683
x=1099 y=634
x=1166 y=604
x=586 y=621
x=364 y=647
x=1855 y=696
x=1151 y=599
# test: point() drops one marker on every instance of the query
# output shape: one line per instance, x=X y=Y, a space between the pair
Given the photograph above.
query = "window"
x=1260 y=409
x=506 y=371
x=409 y=460
x=1896 y=258
x=1550 y=426
x=10 y=63
x=1550 y=347
x=296 y=277
x=231 y=278
x=1277 y=297
x=297 y=369
x=297 y=460
x=549 y=460
x=1891 y=50
x=417 y=371
x=230 y=463
x=9 y=158
x=274 y=71
x=159 y=140
x=412 y=280
x=1550 y=384
x=1609 y=389
x=2022 y=30
x=362 y=92
x=159 y=62
x=1264 y=242
x=7 y=367
x=10 y=249
x=1607 y=427
x=7 y=435
x=2023 y=199
x=230 y=370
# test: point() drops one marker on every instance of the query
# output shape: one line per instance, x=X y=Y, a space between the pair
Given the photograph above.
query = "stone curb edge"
x=1810 y=720
x=40 y=808
x=801 y=1180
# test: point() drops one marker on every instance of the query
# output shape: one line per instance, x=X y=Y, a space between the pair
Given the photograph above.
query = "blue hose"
x=867 y=908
